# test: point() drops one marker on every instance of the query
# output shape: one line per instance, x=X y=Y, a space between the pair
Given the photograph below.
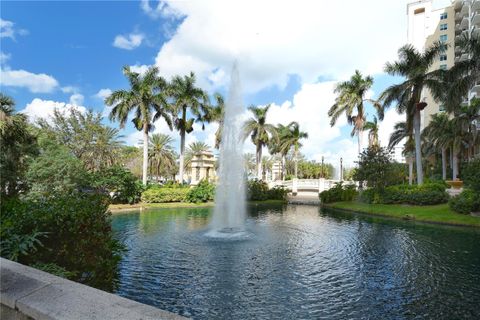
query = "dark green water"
x=300 y=263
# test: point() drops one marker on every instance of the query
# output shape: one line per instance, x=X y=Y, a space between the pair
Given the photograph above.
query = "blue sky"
x=290 y=54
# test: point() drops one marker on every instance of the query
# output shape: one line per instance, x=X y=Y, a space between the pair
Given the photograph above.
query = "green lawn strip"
x=125 y=207
x=440 y=213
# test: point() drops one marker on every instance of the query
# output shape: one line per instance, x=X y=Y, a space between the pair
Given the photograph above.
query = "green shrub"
x=159 y=195
x=67 y=234
x=339 y=192
x=120 y=183
x=426 y=194
x=277 y=193
x=204 y=191
x=471 y=175
x=466 y=202
x=257 y=190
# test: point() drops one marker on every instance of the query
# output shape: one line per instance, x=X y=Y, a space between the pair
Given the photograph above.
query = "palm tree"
x=260 y=132
x=467 y=117
x=350 y=100
x=414 y=67
x=250 y=163
x=274 y=146
x=216 y=114
x=147 y=100
x=161 y=155
x=187 y=98
x=436 y=131
x=372 y=126
x=292 y=139
x=402 y=131
x=103 y=152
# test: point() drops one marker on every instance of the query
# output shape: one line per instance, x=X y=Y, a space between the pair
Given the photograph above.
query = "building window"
x=443 y=57
x=441 y=108
x=443 y=38
x=443 y=67
x=443 y=16
x=443 y=26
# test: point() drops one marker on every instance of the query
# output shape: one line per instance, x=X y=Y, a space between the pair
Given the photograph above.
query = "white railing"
x=317 y=185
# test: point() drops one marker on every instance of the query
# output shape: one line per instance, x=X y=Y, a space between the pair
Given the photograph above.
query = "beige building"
x=202 y=167
x=428 y=24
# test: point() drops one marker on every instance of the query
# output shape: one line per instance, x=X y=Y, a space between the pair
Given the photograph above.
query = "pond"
x=299 y=262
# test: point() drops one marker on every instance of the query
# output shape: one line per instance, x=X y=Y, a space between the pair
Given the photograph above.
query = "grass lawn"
x=440 y=213
x=123 y=207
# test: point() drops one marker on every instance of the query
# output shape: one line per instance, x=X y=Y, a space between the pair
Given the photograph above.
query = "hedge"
x=339 y=193
x=159 y=195
x=426 y=194
x=466 y=202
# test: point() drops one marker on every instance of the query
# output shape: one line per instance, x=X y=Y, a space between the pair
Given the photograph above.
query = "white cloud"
x=7 y=30
x=161 y=10
x=386 y=126
x=43 y=109
x=275 y=39
x=69 y=89
x=36 y=83
x=4 y=57
x=76 y=99
x=141 y=69
x=128 y=42
x=103 y=93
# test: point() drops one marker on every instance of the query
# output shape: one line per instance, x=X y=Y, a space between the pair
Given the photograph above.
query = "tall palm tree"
x=292 y=139
x=216 y=114
x=161 y=154
x=372 y=127
x=350 y=101
x=260 y=132
x=403 y=132
x=436 y=131
x=147 y=99
x=187 y=97
x=467 y=118
x=250 y=163
x=275 y=146
x=414 y=66
x=103 y=152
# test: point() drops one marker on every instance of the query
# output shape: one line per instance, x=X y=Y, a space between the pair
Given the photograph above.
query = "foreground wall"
x=27 y=293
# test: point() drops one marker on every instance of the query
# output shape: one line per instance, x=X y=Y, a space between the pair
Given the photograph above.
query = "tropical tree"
x=216 y=114
x=260 y=132
x=147 y=99
x=250 y=163
x=372 y=127
x=187 y=97
x=437 y=132
x=292 y=139
x=403 y=132
x=161 y=155
x=350 y=101
x=467 y=117
x=17 y=146
x=275 y=146
x=414 y=66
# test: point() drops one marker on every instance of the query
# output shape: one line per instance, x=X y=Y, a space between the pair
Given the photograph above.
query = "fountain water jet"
x=230 y=206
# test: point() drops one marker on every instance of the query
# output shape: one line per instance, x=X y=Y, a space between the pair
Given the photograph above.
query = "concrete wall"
x=27 y=293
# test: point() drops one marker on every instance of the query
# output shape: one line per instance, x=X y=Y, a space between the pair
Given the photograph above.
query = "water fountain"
x=229 y=213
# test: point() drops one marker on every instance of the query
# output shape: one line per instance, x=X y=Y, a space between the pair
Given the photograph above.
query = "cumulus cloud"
x=160 y=10
x=4 y=57
x=43 y=109
x=103 y=93
x=386 y=126
x=307 y=39
x=36 y=83
x=76 y=99
x=128 y=42
x=7 y=30
x=141 y=69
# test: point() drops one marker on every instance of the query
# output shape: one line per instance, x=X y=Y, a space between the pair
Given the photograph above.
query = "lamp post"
x=323 y=173
x=341 y=169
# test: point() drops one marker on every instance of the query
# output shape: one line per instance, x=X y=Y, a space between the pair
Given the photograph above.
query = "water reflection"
x=300 y=262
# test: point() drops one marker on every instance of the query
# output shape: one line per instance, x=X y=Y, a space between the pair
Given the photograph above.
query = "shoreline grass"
x=114 y=208
x=436 y=214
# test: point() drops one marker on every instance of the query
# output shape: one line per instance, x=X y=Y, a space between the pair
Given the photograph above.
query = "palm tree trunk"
x=296 y=161
x=444 y=163
x=182 y=145
x=284 y=163
x=418 y=147
x=259 y=162
x=455 y=164
x=145 y=153
x=410 y=170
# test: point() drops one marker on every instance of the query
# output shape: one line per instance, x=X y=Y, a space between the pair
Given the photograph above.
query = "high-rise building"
x=428 y=24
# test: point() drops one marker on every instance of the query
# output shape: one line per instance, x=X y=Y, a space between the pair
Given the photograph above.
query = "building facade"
x=428 y=24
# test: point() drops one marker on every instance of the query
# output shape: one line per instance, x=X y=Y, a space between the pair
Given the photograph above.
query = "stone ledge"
x=40 y=295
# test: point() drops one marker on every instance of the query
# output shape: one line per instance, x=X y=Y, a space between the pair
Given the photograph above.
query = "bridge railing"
x=317 y=185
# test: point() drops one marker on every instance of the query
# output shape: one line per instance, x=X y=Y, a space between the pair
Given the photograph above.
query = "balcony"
x=458 y=5
x=464 y=23
x=476 y=5
x=465 y=9
x=458 y=17
x=476 y=18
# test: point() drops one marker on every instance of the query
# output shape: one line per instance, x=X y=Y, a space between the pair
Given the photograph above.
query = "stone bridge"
x=307 y=185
